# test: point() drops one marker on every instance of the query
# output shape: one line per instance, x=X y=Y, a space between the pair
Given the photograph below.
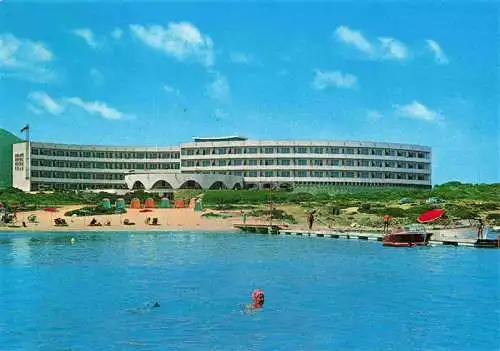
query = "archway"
x=218 y=185
x=267 y=186
x=138 y=186
x=286 y=186
x=162 y=184
x=190 y=184
x=237 y=186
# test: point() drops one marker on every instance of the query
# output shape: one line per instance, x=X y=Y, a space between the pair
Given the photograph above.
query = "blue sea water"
x=84 y=291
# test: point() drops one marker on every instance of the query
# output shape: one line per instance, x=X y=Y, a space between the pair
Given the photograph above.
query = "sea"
x=97 y=291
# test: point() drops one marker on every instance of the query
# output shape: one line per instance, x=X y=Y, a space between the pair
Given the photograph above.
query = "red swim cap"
x=257 y=293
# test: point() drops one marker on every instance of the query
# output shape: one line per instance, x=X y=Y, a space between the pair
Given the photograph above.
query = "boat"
x=407 y=236
x=412 y=235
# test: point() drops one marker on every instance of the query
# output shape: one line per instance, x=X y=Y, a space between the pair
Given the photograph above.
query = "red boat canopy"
x=430 y=215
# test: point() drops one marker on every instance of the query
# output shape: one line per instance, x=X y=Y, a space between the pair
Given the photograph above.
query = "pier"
x=360 y=235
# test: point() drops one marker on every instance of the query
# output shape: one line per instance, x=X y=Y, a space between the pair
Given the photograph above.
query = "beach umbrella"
x=430 y=216
x=52 y=210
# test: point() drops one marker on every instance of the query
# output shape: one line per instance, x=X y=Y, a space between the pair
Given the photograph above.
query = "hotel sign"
x=19 y=162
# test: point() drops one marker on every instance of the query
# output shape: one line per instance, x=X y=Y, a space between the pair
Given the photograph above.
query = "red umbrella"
x=50 y=209
x=430 y=216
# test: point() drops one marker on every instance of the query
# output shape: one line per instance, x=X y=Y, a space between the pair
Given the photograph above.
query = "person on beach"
x=310 y=219
x=387 y=221
x=480 y=229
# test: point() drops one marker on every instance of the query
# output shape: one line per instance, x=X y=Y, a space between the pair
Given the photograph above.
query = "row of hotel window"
x=104 y=165
x=226 y=163
x=305 y=150
x=75 y=186
x=304 y=162
x=106 y=154
x=249 y=174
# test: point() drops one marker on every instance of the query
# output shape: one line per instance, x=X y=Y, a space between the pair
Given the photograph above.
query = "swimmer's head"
x=258 y=298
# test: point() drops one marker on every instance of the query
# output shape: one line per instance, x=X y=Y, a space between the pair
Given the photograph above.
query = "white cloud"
x=171 y=90
x=419 y=111
x=393 y=49
x=117 y=33
x=385 y=48
x=219 y=88
x=353 y=37
x=25 y=59
x=87 y=35
x=182 y=41
x=439 y=54
x=325 y=79
x=96 y=76
x=373 y=115
x=241 y=58
x=40 y=101
x=96 y=108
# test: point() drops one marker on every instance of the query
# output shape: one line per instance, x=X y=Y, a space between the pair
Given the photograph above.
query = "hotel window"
x=318 y=150
x=318 y=162
x=252 y=174
x=420 y=177
x=268 y=150
x=349 y=151
x=335 y=162
x=302 y=162
x=35 y=173
x=252 y=162
x=189 y=152
x=238 y=173
x=377 y=152
x=317 y=174
x=284 y=162
x=420 y=155
x=252 y=150
x=34 y=151
x=401 y=153
x=285 y=150
x=389 y=164
x=222 y=163
x=268 y=162
x=302 y=150
x=268 y=173
x=348 y=174
x=377 y=175
x=238 y=150
x=389 y=152
x=302 y=174
x=420 y=166
x=365 y=163
x=284 y=174
x=335 y=150
x=376 y=163
x=221 y=151
x=348 y=162
x=363 y=151
x=364 y=174
x=238 y=162
x=334 y=174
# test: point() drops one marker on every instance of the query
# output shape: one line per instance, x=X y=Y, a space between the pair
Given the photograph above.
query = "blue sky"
x=161 y=73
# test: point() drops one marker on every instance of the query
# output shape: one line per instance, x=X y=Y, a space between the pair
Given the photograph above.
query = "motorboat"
x=407 y=236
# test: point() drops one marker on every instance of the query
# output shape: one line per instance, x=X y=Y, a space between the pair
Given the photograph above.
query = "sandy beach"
x=170 y=219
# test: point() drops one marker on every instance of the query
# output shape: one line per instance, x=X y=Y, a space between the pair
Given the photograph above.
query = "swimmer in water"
x=257 y=301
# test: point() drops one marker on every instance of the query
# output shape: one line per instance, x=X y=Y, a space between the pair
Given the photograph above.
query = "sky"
x=161 y=73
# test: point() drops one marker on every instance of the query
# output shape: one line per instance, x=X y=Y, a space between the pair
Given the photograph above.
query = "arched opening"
x=267 y=186
x=190 y=184
x=218 y=185
x=237 y=186
x=162 y=184
x=251 y=186
x=286 y=186
x=138 y=186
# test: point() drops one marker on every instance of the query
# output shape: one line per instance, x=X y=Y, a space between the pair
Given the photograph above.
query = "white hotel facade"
x=258 y=163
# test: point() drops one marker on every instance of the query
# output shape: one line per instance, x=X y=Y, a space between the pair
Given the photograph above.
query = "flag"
x=25 y=129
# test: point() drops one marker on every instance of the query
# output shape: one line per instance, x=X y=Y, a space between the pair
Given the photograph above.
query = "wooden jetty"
x=360 y=235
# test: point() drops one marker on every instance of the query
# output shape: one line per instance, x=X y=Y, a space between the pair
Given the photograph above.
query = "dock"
x=360 y=235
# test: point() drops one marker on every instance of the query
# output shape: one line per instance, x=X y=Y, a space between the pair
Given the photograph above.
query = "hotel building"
x=258 y=163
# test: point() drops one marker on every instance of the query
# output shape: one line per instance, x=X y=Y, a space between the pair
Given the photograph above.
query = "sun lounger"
x=154 y=222
x=60 y=222
x=127 y=222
